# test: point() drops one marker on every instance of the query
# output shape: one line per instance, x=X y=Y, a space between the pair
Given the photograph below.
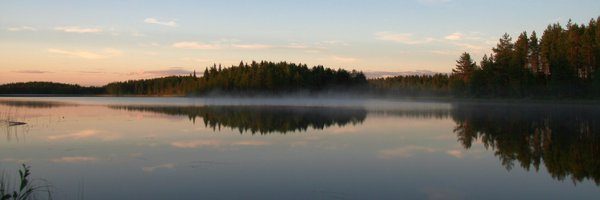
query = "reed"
x=27 y=188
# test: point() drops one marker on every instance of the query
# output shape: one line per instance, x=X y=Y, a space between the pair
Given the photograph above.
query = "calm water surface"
x=186 y=148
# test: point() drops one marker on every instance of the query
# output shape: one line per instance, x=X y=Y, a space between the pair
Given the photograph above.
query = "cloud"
x=468 y=46
x=196 y=59
x=343 y=59
x=154 y=168
x=92 y=72
x=31 y=71
x=151 y=20
x=196 y=45
x=454 y=36
x=216 y=143
x=21 y=28
x=307 y=48
x=73 y=159
x=77 y=29
x=106 y=53
x=447 y=52
x=405 y=38
x=165 y=72
x=404 y=152
x=221 y=44
x=252 y=46
x=104 y=136
x=335 y=42
x=296 y=45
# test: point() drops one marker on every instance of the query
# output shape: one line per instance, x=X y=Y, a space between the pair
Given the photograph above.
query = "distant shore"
x=347 y=96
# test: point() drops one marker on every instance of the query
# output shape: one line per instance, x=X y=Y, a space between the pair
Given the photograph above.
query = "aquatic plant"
x=27 y=188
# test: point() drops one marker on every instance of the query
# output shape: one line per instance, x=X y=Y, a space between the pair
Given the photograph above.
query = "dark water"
x=182 y=148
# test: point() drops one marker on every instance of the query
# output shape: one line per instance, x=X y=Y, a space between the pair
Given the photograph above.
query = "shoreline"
x=347 y=96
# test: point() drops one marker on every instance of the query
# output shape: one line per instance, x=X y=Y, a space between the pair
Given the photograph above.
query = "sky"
x=96 y=42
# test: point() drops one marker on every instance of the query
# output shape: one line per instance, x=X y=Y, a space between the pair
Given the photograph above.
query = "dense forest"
x=412 y=85
x=563 y=63
x=246 y=78
x=171 y=85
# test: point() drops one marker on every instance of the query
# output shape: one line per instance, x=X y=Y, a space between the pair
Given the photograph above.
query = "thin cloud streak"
x=152 y=20
x=77 y=29
x=404 y=38
x=219 y=45
x=21 y=28
x=196 y=45
x=106 y=53
x=253 y=46
x=31 y=71
x=454 y=36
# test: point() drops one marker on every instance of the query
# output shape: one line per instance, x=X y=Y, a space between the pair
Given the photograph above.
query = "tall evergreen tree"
x=465 y=66
x=534 y=54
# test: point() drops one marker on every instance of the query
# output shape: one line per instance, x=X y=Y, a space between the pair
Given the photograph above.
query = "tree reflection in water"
x=262 y=119
x=34 y=104
x=566 y=139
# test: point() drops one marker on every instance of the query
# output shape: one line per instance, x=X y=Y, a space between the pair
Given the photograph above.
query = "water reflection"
x=34 y=104
x=10 y=122
x=262 y=119
x=427 y=113
x=565 y=139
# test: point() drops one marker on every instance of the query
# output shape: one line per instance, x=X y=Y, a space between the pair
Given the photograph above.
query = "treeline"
x=246 y=78
x=278 y=77
x=564 y=62
x=48 y=88
x=171 y=85
x=255 y=77
x=412 y=85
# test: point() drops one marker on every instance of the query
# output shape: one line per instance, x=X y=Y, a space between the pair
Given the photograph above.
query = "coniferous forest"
x=256 y=77
x=562 y=62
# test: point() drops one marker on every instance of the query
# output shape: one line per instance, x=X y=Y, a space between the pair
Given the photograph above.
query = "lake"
x=197 y=148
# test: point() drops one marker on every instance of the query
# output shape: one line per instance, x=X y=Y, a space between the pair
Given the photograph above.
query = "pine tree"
x=534 y=54
x=465 y=66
